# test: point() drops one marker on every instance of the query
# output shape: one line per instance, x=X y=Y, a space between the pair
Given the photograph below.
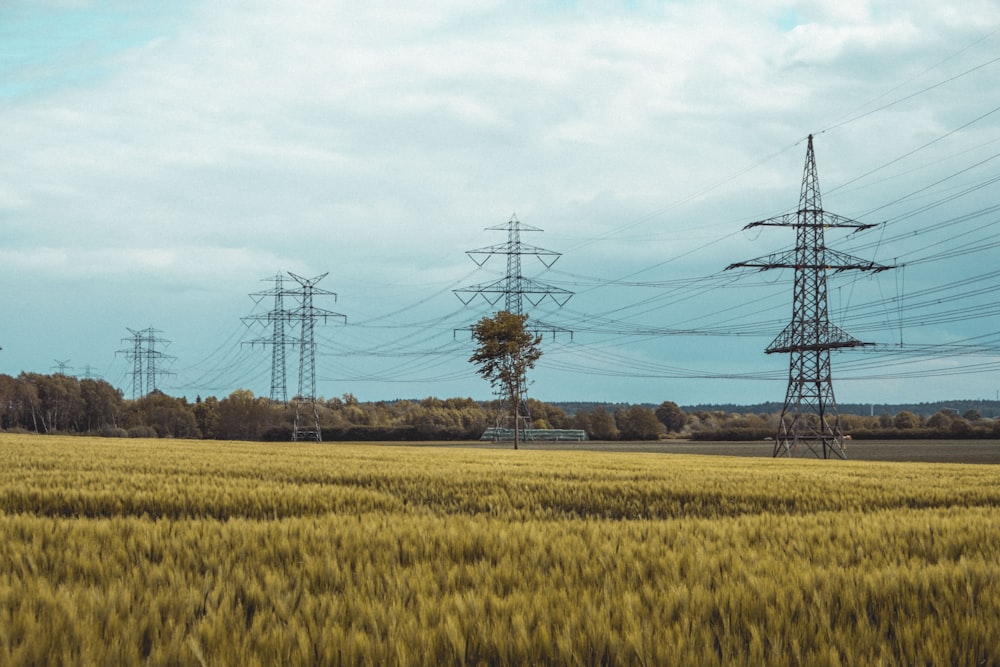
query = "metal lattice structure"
x=519 y=428
x=145 y=360
x=61 y=367
x=277 y=318
x=515 y=289
x=303 y=314
x=809 y=421
x=307 y=427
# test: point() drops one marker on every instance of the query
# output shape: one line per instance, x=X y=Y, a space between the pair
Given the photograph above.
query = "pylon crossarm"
x=559 y=297
x=529 y=286
x=812 y=335
x=468 y=294
x=840 y=261
x=785 y=220
x=520 y=285
x=308 y=281
x=779 y=347
x=539 y=328
x=832 y=220
x=513 y=224
x=812 y=218
x=784 y=260
x=327 y=314
x=505 y=248
x=832 y=260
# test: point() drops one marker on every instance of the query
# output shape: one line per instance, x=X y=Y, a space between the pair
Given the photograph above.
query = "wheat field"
x=158 y=552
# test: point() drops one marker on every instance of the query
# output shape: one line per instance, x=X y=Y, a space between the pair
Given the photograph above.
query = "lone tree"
x=505 y=352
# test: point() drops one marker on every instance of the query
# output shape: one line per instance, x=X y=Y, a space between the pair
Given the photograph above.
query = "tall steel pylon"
x=145 y=360
x=306 y=315
x=809 y=416
x=277 y=317
x=515 y=289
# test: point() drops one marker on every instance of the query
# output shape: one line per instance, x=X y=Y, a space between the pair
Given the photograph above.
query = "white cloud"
x=377 y=141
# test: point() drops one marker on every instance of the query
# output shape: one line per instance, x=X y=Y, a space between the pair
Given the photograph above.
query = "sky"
x=163 y=162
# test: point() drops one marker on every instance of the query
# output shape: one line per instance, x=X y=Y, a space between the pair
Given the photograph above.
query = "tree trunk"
x=516 y=402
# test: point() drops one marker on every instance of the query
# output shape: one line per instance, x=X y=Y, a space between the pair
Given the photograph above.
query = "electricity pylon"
x=306 y=315
x=276 y=318
x=61 y=367
x=809 y=416
x=145 y=358
x=515 y=289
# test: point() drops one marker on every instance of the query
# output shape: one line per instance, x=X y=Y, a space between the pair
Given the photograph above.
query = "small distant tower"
x=515 y=289
x=809 y=416
x=145 y=360
x=277 y=318
x=61 y=367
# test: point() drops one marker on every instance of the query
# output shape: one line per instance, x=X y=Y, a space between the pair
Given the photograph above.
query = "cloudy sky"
x=162 y=160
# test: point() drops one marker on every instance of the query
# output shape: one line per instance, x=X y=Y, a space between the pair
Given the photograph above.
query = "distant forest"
x=37 y=403
x=987 y=409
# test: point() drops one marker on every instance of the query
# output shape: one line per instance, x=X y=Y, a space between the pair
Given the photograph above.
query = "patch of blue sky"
x=788 y=20
x=45 y=47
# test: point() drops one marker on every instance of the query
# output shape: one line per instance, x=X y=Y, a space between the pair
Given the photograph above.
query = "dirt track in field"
x=930 y=451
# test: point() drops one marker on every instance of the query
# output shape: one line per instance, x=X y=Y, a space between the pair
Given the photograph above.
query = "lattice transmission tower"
x=305 y=314
x=277 y=318
x=61 y=367
x=809 y=415
x=514 y=289
x=146 y=360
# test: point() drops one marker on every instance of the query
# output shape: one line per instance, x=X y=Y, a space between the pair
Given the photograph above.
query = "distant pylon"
x=61 y=367
x=145 y=358
x=306 y=315
x=515 y=289
x=277 y=317
x=809 y=416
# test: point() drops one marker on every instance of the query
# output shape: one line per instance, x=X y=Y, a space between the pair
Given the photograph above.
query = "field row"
x=94 y=478
x=302 y=555
x=902 y=587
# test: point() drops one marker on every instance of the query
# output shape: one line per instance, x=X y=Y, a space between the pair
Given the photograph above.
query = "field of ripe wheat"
x=120 y=552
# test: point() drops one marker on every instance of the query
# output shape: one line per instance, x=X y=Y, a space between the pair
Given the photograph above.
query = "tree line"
x=37 y=403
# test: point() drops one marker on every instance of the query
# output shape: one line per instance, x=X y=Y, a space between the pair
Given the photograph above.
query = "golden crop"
x=173 y=552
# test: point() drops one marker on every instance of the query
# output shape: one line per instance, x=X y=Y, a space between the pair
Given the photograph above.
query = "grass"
x=175 y=552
